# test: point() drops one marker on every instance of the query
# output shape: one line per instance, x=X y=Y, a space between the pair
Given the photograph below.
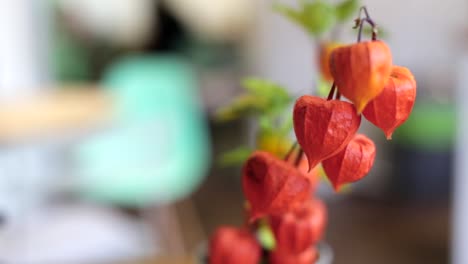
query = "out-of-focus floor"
x=362 y=231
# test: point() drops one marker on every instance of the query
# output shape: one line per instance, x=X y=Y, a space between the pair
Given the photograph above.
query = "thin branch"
x=299 y=157
x=332 y=91
x=290 y=151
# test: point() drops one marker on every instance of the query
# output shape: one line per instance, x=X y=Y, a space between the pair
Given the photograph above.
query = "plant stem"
x=364 y=8
x=332 y=91
x=290 y=151
x=298 y=157
x=360 y=23
x=338 y=95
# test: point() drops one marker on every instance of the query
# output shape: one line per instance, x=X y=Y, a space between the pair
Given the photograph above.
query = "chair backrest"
x=157 y=150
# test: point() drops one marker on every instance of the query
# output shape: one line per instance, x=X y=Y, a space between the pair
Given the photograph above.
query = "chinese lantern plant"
x=266 y=102
x=280 y=190
x=323 y=20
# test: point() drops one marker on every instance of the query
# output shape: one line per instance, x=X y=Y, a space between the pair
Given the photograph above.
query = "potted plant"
x=284 y=219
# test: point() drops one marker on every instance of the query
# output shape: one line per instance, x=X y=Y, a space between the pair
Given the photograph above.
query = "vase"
x=324 y=249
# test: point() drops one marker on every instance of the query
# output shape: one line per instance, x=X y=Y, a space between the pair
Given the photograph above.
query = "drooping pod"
x=361 y=70
x=273 y=186
x=297 y=230
x=393 y=105
x=352 y=163
x=231 y=245
x=323 y=128
x=325 y=51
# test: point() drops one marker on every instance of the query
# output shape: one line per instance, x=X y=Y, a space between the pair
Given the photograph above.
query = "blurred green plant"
x=265 y=235
x=267 y=102
x=346 y=9
x=235 y=156
x=318 y=16
x=262 y=98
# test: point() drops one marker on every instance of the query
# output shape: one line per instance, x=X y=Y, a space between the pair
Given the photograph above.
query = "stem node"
x=359 y=22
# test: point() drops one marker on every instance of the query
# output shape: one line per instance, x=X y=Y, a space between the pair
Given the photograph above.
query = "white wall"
x=23 y=69
x=427 y=36
x=460 y=183
x=279 y=50
x=23 y=51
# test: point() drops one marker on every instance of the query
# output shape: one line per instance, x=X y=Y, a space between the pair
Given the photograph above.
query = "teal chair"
x=157 y=149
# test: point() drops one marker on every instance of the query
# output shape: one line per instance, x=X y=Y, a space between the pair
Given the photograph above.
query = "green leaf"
x=286 y=126
x=346 y=9
x=242 y=106
x=266 y=88
x=265 y=236
x=266 y=124
x=236 y=156
x=316 y=17
x=274 y=96
x=319 y=16
x=262 y=97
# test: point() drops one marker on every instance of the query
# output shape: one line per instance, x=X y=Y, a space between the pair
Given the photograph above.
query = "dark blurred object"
x=90 y=34
x=368 y=232
x=423 y=175
x=423 y=156
x=171 y=33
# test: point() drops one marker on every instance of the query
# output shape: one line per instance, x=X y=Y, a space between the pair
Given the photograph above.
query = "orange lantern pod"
x=231 y=245
x=352 y=163
x=361 y=70
x=392 y=107
x=273 y=186
x=297 y=230
x=325 y=50
x=323 y=128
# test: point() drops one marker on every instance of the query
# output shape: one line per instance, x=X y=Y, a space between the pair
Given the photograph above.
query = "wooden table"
x=54 y=111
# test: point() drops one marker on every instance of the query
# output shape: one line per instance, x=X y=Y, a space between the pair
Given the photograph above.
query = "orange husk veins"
x=392 y=107
x=323 y=128
x=361 y=70
x=308 y=256
x=325 y=50
x=231 y=245
x=297 y=230
x=352 y=163
x=273 y=186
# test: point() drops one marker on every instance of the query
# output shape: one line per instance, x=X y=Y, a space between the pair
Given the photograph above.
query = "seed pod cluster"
x=280 y=192
x=326 y=129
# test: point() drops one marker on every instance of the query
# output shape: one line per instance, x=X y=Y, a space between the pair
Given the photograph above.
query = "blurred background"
x=110 y=142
